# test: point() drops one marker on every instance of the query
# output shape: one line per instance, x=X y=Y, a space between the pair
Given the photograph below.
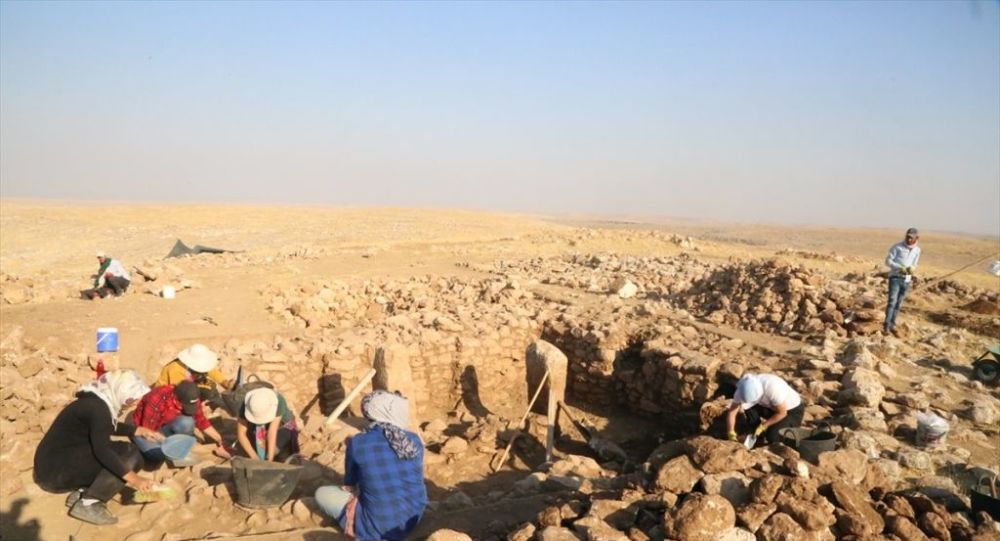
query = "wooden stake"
x=524 y=417
x=350 y=396
x=582 y=428
x=552 y=417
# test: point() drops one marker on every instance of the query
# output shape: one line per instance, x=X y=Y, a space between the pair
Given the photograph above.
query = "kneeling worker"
x=169 y=410
x=768 y=403
x=76 y=455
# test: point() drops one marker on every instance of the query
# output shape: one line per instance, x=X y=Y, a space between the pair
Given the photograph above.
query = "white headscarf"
x=391 y=412
x=117 y=389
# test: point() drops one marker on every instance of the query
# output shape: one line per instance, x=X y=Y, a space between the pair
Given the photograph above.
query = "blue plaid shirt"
x=392 y=496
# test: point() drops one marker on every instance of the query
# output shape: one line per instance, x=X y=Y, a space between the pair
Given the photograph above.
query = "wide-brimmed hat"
x=199 y=358
x=261 y=406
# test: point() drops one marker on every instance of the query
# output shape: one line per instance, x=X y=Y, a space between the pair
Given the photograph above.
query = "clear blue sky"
x=843 y=113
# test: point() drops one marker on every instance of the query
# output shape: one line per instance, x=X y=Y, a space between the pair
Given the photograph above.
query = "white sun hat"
x=100 y=254
x=261 y=406
x=199 y=358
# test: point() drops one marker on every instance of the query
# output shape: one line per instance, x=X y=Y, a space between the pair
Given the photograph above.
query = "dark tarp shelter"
x=182 y=249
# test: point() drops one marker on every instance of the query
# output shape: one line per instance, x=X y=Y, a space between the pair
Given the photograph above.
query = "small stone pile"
x=770 y=296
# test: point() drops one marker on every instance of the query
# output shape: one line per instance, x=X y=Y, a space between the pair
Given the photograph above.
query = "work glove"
x=760 y=430
x=732 y=436
x=909 y=270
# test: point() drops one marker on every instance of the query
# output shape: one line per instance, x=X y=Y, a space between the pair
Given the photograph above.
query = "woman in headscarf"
x=384 y=494
x=77 y=454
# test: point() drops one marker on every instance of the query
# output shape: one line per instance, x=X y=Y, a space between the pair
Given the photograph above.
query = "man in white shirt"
x=769 y=405
x=112 y=278
x=902 y=261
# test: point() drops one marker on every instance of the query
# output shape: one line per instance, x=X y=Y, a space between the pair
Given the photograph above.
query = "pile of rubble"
x=705 y=489
x=33 y=289
x=771 y=296
x=655 y=277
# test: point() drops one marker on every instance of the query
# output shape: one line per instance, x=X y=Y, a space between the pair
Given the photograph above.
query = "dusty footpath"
x=657 y=321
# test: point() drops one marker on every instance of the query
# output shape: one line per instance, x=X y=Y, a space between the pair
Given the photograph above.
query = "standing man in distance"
x=902 y=261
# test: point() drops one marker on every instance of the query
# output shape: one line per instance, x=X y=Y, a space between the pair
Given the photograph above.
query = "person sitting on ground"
x=266 y=426
x=768 y=403
x=384 y=494
x=77 y=454
x=111 y=278
x=199 y=364
x=169 y=410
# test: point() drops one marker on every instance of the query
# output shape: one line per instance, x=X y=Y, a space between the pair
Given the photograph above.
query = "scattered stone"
x=678 y=475
x=454 y=446
x=701 y=518
x=448 y=535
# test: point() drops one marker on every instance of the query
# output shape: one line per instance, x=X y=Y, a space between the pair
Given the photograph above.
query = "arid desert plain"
x=657 y=318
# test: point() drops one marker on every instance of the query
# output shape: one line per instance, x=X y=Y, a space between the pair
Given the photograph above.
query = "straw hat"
x=199 y=358
x=261 y=406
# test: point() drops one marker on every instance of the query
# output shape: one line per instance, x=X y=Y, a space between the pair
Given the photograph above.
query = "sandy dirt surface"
x=47 y=255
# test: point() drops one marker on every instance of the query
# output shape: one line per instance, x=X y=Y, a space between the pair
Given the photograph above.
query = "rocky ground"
x=657 y=327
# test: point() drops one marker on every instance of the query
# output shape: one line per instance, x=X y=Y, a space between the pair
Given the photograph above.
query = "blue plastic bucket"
x=177 y=446
x=107 y=339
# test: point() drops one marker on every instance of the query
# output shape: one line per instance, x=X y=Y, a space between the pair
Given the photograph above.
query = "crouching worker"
x=169 y=410
x=384 y=494
x=111 y=278
x=199 y=364
x=77 y=454
x=769 y=405
x=266 y=426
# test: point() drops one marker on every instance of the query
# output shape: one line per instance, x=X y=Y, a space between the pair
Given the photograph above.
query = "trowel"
x=750 y=441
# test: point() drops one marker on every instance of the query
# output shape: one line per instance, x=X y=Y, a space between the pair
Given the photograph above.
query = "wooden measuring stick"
x=524 y=417
x=351 y=396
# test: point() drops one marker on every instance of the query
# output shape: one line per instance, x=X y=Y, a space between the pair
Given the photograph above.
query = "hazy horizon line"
x=642 y=219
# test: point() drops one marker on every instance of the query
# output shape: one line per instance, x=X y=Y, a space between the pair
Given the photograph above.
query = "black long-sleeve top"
x=81 y=428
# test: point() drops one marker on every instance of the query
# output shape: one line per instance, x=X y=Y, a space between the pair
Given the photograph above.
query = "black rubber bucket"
x=810 y=442
x=982 y=499
x=261 y=484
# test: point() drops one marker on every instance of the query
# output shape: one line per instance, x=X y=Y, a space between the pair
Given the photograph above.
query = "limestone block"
x=393 y=373
x=541 y=356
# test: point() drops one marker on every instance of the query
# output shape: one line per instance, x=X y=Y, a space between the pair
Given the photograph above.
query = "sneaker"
x=95 y=513
x=73 y=497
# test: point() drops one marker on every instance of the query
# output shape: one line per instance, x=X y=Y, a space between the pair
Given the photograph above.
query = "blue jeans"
x=182 y=424
x=333 y=501
x=897 y=292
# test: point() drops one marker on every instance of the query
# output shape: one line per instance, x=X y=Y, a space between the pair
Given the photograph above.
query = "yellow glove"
x=732 y=436
x=760 y=430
